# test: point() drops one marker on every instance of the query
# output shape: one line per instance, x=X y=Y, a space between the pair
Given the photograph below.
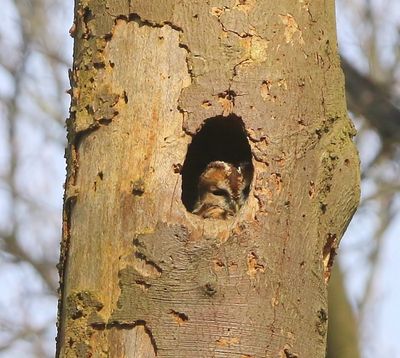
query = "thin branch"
x=372 y=101
x=42 y=267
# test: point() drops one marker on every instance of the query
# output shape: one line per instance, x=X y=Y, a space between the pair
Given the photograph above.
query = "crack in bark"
x=135 y=17
x=218 y=15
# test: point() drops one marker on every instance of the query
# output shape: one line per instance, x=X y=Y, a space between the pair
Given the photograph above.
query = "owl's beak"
x=235 y=206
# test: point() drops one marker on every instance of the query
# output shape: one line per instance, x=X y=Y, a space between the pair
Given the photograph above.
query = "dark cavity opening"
x=220 y=138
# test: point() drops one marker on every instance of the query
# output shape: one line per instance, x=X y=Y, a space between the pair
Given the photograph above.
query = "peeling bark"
x=141 y=275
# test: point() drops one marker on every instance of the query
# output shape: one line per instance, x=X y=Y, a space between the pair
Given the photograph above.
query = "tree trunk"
x=342 y=332
x=159 y=90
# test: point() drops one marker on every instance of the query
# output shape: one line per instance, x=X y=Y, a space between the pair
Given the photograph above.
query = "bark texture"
x=140 y=275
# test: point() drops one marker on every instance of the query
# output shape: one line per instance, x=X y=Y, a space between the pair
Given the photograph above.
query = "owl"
x=222 y=189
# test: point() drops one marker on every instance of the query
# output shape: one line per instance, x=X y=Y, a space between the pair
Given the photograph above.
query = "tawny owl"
x=222 y=189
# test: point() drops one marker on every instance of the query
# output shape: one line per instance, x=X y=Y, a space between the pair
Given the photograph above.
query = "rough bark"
x=140 y=275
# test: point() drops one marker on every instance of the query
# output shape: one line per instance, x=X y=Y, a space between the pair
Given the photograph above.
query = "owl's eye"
x=220 y=192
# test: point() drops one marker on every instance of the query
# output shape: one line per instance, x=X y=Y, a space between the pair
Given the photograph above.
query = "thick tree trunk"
x=142 y=276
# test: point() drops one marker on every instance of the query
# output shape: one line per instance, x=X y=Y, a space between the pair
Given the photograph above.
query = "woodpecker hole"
x=219 y=139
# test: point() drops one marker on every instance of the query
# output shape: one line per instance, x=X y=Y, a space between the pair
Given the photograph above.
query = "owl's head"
x=222 y=189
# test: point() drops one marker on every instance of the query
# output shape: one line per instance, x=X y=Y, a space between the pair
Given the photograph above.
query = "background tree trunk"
x=142 y=276
x=342 y=332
